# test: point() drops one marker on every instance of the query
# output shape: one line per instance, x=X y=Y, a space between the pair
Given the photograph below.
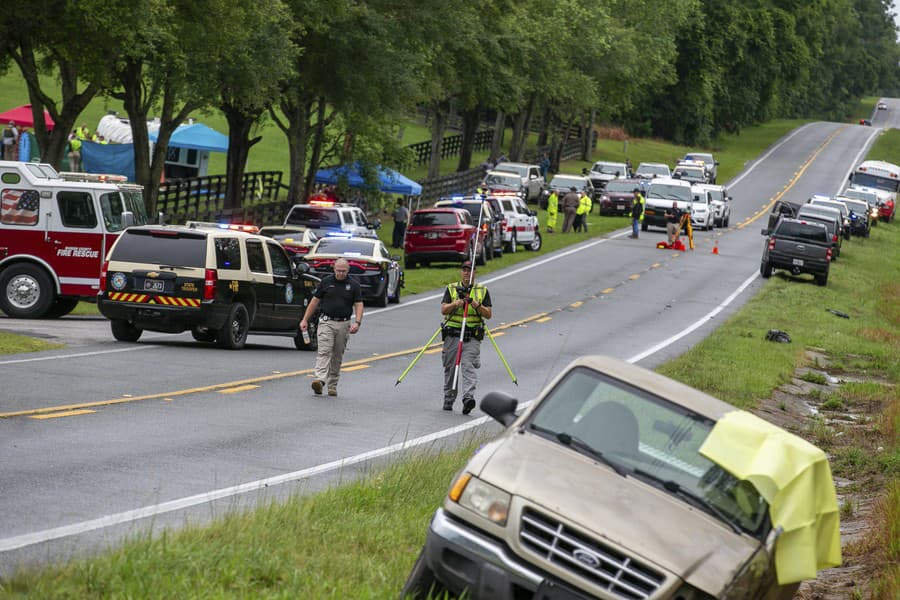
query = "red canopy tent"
x=21 y=116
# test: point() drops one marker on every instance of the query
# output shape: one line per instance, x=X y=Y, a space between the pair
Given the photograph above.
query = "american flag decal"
x=20 y=207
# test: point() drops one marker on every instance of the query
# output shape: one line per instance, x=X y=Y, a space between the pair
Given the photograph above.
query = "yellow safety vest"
x=584 y=205
x=456 y=317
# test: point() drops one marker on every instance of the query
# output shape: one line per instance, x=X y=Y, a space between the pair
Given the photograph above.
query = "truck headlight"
x=486 y=500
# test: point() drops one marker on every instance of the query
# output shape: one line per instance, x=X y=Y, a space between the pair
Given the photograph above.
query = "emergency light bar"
x=91 y=177
x=322 y=202
x=229 y=226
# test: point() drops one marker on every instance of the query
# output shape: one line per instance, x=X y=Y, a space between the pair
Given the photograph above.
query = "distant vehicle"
x=839 y=206
x=332 y=218
x=880 y=177
x=618 y=196
x=721 y=203
x=702 y=212
x=662 y=193
x=530 y=180
x=692 y=172
x=603 y=172
x=296 y=239
x=564 y=182
x=871 y=198
x=647 y=170
x=859 y=215
x=882 y=105
x=371 y=265
x=712 y=165
x=442 y=234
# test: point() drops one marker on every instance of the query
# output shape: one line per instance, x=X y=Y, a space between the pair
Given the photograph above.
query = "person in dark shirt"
x=673 y=222
x=339 y=297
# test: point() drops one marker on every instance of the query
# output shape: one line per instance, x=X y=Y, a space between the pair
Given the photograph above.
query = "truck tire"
x=382 y=299
x=765 y=270
x=511 y=246
x=536 y=243
x=62 y=306
x=202 y=334
x=124 y=331
x=233 y=334
x=26 y=291
x=481 y=259
x=822 y=279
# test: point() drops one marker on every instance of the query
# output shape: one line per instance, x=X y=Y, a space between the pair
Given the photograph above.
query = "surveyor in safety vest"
x=552 y=211
x=469 y=301
x=582 y=212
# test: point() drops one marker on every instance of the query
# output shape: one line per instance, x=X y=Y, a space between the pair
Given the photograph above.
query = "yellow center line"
x=356 y=368
x=544 y=319
x=575 y=304
x=633 y=277
x=241 y=388
x=608 y=291
x=68 y=413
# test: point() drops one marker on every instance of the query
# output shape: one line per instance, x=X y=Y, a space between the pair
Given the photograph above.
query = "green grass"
x=11 y=343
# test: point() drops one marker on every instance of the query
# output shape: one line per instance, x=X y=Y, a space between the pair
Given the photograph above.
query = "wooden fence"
x=451 y=146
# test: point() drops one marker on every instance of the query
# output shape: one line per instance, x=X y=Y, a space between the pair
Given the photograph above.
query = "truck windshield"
x=113 y=204
x=670 y=192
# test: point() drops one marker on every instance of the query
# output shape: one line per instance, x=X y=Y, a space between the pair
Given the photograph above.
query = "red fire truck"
x=55 y=230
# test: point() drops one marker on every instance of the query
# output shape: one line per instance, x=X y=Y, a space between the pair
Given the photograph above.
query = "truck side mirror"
x=765 y=231
x=127 y=219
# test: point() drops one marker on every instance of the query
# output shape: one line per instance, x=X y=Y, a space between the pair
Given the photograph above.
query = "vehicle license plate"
x=549 y=590
x=798 y=262
x=431 y=235
x=154 y=285
x=620 y=207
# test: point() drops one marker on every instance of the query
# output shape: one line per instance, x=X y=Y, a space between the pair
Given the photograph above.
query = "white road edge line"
x=28 y=539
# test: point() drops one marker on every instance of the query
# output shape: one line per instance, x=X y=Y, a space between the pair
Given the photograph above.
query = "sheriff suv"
x=218 y=283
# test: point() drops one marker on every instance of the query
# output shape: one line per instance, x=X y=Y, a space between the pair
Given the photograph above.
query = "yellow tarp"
x=795 y=479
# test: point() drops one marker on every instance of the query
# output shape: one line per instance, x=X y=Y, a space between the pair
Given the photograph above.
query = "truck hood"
x=643 y=521
x=883 y=195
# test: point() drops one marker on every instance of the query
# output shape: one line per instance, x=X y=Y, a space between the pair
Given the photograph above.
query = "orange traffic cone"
x=715 y=249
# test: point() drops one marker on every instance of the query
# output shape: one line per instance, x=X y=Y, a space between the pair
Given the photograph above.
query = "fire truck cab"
x=55 y=231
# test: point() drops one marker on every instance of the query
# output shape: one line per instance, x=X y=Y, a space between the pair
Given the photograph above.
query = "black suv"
x=220 y=284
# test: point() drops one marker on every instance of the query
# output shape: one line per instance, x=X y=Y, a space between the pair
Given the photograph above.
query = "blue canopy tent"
x=196 y=136
x=389 y=181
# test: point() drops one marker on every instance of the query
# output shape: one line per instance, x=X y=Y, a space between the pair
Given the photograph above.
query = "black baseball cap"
x=467 y=264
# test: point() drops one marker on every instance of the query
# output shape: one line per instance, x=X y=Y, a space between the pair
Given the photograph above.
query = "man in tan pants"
x=339 y=297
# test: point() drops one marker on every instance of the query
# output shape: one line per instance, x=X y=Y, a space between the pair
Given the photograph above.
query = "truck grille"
x=587 y=558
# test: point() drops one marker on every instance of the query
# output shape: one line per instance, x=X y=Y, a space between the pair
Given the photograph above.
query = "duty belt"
x=324 y=318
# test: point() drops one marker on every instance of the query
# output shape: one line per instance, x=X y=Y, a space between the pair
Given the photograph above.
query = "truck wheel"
x=421 y=582
x=481 y=259
x=203 y=334
x=382 y=299
x=233 y=334
x=395 y=299
x=821 y=279
x=511 y=246
x=124 y=331
x=26 y=291
x=765 y=269
x=409 y=263
x=489 y=249
x=536 y=243
x=62 y=306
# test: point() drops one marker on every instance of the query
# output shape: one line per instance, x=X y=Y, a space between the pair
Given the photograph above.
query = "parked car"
x=442 y=234
x=712 y=165
x=618 y=196
x=296 y=239
x=606 y=486
x=563 y=182
x=721 y=203
x=859 y=215
x=870 y=198
x=702 y=212
x=520 y=223
x=378 y=273
x=798 y=246
x=491 y=219
x=828 y=217
x=530 y=180
x=602 y=172
x=840 y=206
x=220 y=284
x=648 y=170
x=330 y=218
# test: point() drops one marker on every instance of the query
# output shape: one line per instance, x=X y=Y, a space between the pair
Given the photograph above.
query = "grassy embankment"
x=359 y=540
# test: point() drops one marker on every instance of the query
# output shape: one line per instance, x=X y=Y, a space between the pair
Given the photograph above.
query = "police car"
x=332 y=218
x=296 y=239
x=218 y=282
x=520 y=223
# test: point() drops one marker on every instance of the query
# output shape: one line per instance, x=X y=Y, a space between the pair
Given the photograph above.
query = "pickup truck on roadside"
x=797 y=246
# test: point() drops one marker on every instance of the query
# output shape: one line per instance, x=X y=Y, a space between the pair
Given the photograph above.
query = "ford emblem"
x=586 y=557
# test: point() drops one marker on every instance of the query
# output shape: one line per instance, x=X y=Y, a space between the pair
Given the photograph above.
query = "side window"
x=111 y=207
x=228 y=253
x=360 y=218
x=256 y=257
x=346 y=217
x=76 y=209
x=383 y=250
x=281 y=266
x=20 y=207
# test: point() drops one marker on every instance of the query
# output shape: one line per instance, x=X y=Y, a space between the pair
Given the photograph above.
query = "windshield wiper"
x=577 y=443
x=696 y=499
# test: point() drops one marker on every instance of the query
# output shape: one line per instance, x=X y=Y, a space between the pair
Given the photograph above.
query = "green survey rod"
x=421 y=352
x=502 y=358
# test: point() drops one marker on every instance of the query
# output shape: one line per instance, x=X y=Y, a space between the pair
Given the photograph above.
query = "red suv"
x=441 y=234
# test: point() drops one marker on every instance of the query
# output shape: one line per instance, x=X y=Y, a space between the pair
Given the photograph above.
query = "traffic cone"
x=715 y=249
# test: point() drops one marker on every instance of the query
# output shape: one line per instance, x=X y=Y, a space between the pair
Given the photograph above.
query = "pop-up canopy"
x=389 y=181
x=21 y=116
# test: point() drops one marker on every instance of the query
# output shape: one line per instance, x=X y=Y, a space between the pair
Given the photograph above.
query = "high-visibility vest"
x=643 y=205
x=584 y=205
x=456 y=317
x=553 y=203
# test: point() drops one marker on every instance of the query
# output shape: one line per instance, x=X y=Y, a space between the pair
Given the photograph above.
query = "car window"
x=281 y=266
x=20 y=207
x=228 y=253
x=804 y=231
x=344 y=246
x=161 y=247
x=668 y=191
x=383 y=250
x=432 y=219
x=256 y=258
x=111 y=207
x=312 y=215
x=507 y=205
x=640 y=432
x=502 y=179
x=76 y=209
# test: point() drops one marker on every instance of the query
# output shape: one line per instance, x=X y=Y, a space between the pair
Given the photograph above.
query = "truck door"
x=74 y=242
x=261 y=281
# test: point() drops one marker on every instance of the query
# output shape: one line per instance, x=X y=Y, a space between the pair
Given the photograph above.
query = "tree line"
x=338 y=77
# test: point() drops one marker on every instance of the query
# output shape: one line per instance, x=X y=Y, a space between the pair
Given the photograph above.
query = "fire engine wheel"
x=61 y=307
x=535 y=244
x=27 y=291
x=124 y=331
x=233 y=334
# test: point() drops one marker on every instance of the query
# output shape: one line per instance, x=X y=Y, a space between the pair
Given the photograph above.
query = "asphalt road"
x=103 y=439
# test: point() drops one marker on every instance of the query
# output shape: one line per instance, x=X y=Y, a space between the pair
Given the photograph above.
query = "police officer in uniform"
x=339 y=297
x=453 y=307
